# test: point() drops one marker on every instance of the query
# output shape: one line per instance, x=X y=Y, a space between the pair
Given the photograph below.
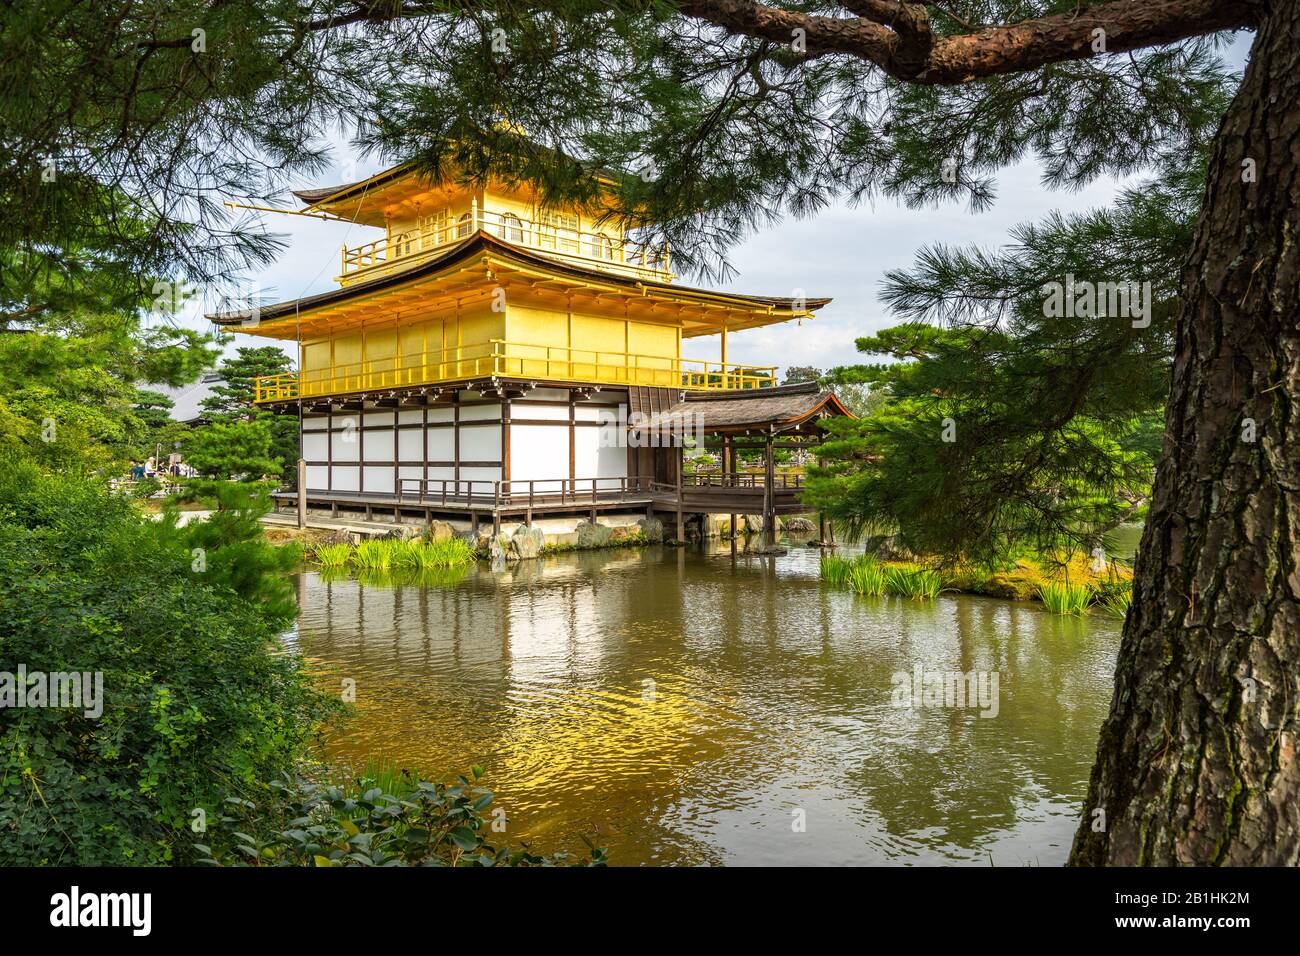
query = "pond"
x=684 y=706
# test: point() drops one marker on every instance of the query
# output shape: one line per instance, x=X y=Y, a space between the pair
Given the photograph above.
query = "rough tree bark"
x=1197 y=760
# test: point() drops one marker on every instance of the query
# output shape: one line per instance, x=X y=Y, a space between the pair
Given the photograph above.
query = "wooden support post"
x=821 y=529
x=302 y=493
x=769 y=496
x=681 y=523
x=728 y=474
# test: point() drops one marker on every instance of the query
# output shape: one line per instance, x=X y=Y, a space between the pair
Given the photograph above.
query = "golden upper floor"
x=421 y=217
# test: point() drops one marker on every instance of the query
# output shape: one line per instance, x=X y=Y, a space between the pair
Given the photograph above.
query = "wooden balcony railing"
x=520 y=493
x=610 y=253
x=514 y=360
x=743 y=479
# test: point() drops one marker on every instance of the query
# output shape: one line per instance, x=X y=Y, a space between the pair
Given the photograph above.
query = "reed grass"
x=1062 y=597
x=918 y=584
x=333 y=555
x=866 y=576
x=435 y=554
x=377 y=553
x=381 y=774
x=835 y=570
x=1116 y=601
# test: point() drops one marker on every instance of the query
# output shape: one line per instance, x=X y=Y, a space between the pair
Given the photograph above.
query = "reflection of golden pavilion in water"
x=768 y=691
x=532 y=650
x=472 y=354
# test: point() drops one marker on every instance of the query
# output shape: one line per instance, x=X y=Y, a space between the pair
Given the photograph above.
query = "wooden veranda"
x=788 y=417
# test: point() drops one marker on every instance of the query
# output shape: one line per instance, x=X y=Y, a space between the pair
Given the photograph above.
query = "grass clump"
x=377 y=553
x=1062 y=597
x=1116 y=600
x=866 y=576
x=425 y=555
x=835 y=570
x=388 y=554
x=333 y=555
x=917 y=584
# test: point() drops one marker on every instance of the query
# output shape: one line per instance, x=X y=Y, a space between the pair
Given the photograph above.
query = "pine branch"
x=996 y=51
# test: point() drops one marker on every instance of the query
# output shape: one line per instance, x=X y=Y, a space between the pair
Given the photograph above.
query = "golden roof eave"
x=470 y=271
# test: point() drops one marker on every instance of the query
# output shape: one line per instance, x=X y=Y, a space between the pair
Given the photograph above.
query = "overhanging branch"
x=891 y=35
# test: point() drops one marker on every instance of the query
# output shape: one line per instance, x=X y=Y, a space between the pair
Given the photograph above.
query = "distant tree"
x=153 y=408
x=232 y=401
x=68 y=392
x=233 y=397
x=796 y=374
x=857 y=397
x=238 y=450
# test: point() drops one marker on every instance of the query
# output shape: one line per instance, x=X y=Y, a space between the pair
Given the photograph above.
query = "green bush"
x=199 y=698
x=416 y=823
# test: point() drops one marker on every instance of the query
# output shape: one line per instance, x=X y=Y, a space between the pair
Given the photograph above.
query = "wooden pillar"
x=769 y=495
x=681 y=522
x=821 y=529
x=302 y=493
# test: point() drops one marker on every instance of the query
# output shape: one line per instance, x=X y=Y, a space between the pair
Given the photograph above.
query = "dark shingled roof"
x=784 y=408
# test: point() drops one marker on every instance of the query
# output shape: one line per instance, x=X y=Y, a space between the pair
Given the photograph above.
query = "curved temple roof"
x=483 y=242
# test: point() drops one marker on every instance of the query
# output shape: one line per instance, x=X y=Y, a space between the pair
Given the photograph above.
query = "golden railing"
x=613 y=253
x=515 y=360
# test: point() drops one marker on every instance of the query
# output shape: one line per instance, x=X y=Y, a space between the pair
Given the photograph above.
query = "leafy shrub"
x=424 y=824
x=147 y=487
x=199 y=699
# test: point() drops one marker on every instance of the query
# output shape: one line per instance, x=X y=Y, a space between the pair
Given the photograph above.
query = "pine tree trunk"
x=1197 y=760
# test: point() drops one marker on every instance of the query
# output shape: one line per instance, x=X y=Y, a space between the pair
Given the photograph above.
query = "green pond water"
x=681 y=706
